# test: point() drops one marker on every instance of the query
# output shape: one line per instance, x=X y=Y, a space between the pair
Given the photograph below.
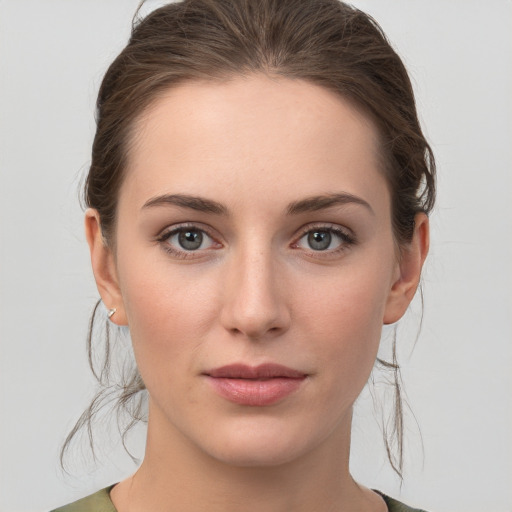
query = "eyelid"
x=181 y=226
x=346 y=234
x=169 y=231
x=324 y=226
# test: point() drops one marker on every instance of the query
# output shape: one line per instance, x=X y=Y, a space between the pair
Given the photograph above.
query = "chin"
x=256 y=456
x=257 y=445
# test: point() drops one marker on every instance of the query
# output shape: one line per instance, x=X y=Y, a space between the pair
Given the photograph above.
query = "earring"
x=111 y=312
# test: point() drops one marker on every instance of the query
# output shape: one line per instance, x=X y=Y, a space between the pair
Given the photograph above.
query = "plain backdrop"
x=458 y=378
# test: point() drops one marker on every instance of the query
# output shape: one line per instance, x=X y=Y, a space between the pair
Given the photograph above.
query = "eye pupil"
x=190 y=240
x=319 y=240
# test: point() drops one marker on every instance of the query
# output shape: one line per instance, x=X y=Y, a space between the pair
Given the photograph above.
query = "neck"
x=176 y=475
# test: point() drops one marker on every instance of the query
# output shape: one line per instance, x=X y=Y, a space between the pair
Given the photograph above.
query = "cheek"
x=169 y=316
x=345 y=317
x=349 y=301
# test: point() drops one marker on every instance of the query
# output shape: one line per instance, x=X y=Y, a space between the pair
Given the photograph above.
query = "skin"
x=255 y=291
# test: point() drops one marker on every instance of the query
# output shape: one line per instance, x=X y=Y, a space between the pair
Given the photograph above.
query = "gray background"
x=458 y=378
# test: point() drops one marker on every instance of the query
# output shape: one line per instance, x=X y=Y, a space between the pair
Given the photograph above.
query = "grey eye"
x=319 y=240
x=190 y=240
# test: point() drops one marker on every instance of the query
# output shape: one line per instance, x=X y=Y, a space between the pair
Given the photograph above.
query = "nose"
x=254 y=299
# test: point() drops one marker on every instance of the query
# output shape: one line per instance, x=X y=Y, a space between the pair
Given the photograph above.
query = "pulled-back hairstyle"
x=325 y=42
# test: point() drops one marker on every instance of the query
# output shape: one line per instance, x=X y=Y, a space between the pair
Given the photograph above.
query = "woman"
x=258 y=200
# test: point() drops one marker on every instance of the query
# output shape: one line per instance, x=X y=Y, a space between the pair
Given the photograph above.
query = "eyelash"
x=183 y=228
x=347 y=239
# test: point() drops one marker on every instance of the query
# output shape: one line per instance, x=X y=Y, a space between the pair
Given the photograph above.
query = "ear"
x=104 y=268
x=408 y=275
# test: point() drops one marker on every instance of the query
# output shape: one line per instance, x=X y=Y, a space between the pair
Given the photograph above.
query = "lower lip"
x=255 y=392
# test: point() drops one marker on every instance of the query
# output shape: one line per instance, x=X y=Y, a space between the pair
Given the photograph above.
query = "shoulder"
x=98 y=502
x=397 y=506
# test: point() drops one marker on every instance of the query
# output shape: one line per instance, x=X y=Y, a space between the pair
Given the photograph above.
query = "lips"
x=261 y=385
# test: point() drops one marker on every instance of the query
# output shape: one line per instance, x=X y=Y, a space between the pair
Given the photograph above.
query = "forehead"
x=252 y=135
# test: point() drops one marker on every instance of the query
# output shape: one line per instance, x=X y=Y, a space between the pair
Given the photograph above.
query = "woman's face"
x=255 y=265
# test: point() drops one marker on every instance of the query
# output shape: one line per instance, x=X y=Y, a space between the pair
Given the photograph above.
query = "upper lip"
x=262 y=371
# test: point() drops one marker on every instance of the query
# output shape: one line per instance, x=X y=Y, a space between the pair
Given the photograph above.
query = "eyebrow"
x=315 y=203
x=309 y=204
x=185 y=201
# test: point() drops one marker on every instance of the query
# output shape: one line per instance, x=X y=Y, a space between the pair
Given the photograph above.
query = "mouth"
x=261 y=385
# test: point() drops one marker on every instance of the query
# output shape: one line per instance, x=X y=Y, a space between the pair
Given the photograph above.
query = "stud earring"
x=111 y=312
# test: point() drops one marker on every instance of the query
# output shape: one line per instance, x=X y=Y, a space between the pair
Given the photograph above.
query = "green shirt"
x=101 y=502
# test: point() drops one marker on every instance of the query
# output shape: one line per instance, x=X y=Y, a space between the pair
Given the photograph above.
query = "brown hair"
x=325 y=42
